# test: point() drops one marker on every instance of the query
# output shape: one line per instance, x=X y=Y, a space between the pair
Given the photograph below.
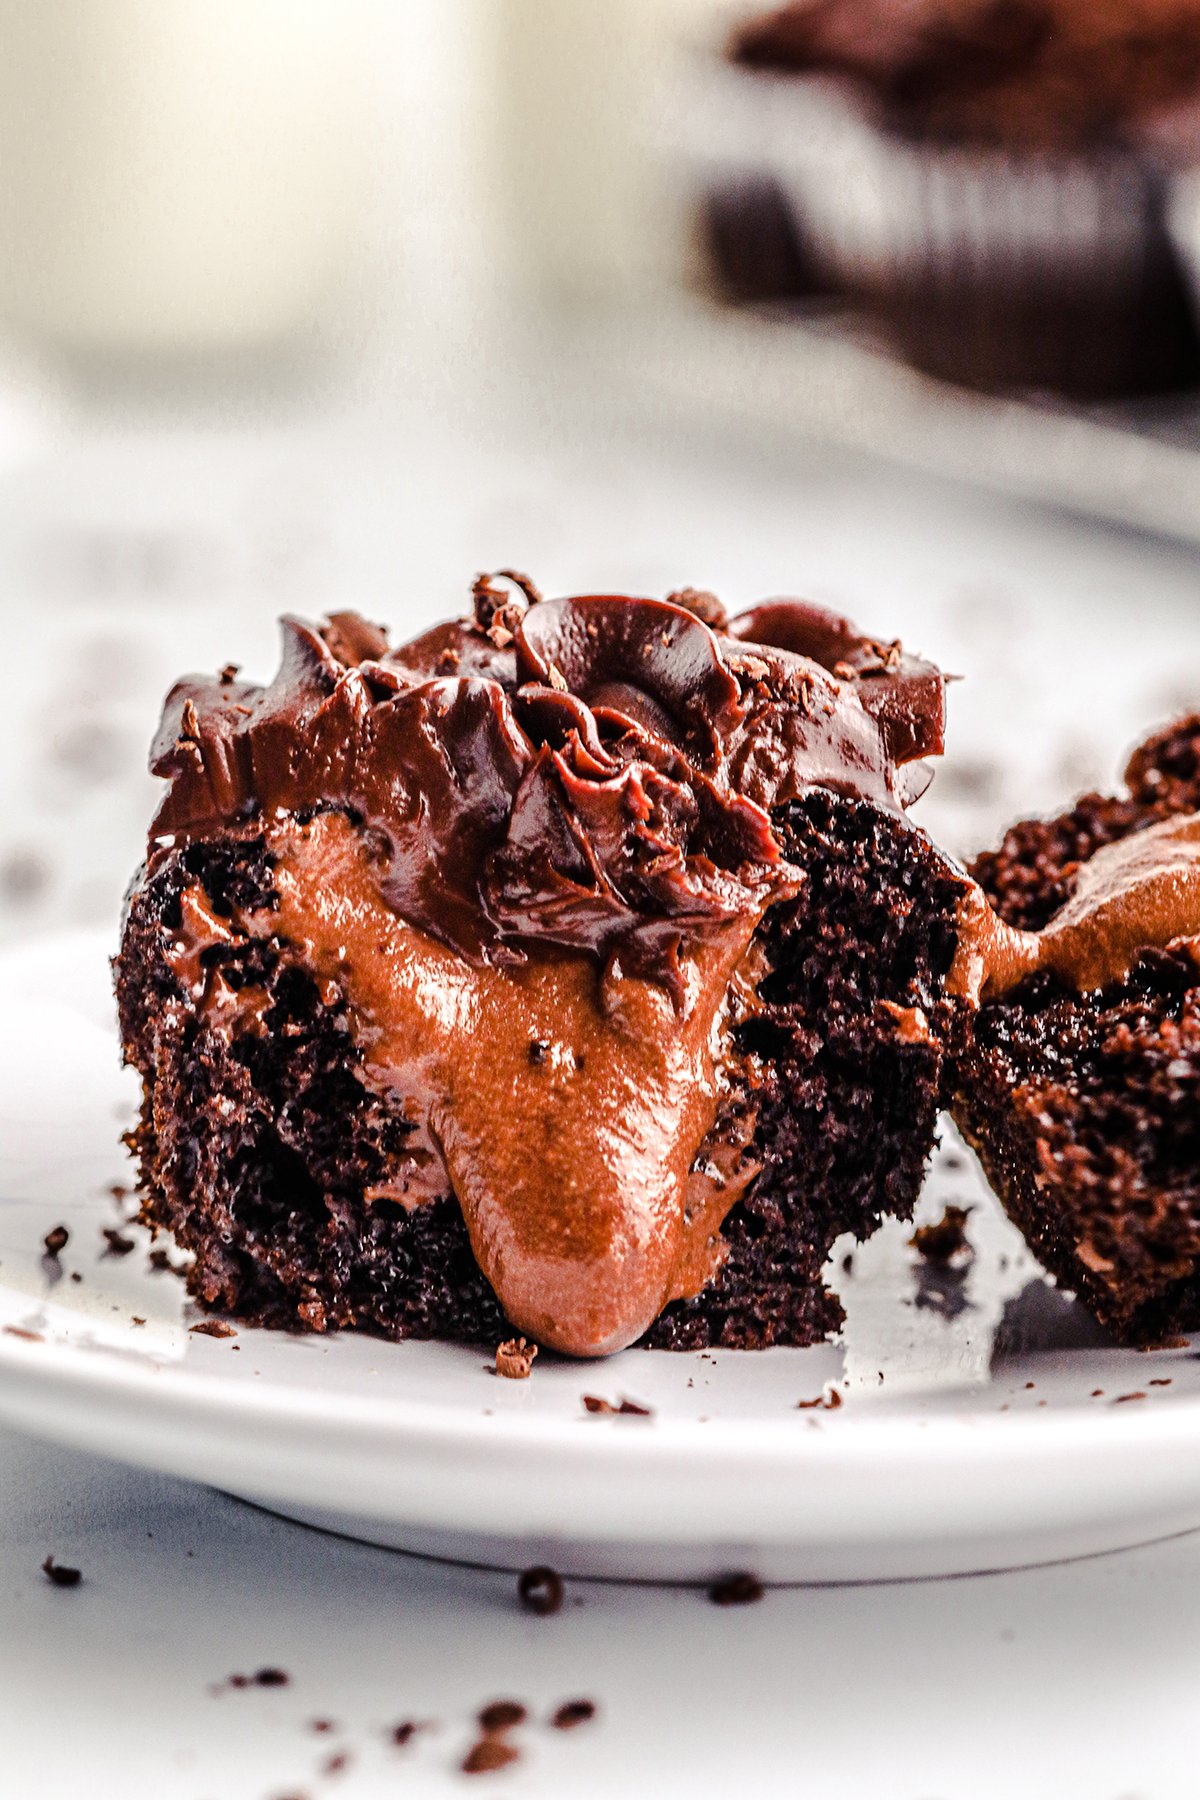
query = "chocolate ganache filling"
x=529 y=852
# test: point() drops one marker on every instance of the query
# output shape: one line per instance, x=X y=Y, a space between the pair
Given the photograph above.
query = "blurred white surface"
x=1075 y=1683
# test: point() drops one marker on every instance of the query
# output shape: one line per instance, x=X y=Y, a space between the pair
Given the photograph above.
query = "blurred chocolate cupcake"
x=991 y=178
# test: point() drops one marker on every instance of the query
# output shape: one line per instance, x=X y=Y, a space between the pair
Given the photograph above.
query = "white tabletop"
x=132 y=548
x=1048 y=1684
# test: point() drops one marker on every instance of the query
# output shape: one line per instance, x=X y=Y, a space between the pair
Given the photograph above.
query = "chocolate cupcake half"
x=1078 y=1078
x=574 y=968
x=991 y=178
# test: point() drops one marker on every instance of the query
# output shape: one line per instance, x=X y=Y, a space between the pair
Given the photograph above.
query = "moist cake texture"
x=575 y=968
x=1077 y=1079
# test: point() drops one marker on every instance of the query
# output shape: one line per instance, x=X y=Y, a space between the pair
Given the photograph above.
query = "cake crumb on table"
x=572 y=1713
x=59 y=1575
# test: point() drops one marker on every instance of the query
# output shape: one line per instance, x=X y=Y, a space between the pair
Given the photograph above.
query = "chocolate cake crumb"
x=1097 y=1393
x=736 y=1590
x=118 y=1243
x=594 y=1404
x=76 y=1276
x=216 y=1328
x=704 y=605
x=829 y=1401
x=59 y=1575
x=502 y=1715
x=335 y=1764
x=230 y=673
x=56 y=1240
x=943 y=1240
x=572 y=1713
x=515 y=1358
x=488 y=1754
x=321 y=1725
x=406 y=1731
x=540 y=1591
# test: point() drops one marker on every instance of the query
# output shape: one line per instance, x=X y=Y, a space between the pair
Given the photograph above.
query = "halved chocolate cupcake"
x=574 y=968
x=1078 y=1080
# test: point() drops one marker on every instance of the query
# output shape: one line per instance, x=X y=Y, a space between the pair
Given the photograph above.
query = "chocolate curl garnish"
x=905 y=695
x=498 y=610
x=645 y=663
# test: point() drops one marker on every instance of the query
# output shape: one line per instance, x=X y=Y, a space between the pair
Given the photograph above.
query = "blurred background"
x=317 y=303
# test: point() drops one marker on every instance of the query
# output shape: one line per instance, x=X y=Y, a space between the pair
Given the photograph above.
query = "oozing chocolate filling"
x=1140 y=893
x=530 y=853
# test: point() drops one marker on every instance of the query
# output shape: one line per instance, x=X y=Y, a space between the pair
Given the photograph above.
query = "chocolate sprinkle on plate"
x=594 y=1404
x=540 y=1591
x=514 y=1359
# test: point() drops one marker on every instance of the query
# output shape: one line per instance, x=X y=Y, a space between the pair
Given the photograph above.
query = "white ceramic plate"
x=970 y=1433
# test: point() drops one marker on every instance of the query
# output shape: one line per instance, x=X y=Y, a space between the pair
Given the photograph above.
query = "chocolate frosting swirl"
x=596 y=773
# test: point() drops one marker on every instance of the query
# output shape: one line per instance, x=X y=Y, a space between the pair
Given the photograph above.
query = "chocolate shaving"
x=736 y=1590
x=56 y=1240
x=1139 y=1395
x=540 y=1591
x=515 y=1358
x=59 y=1575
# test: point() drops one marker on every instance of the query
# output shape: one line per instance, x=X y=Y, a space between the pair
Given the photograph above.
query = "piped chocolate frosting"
x=594 y=773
